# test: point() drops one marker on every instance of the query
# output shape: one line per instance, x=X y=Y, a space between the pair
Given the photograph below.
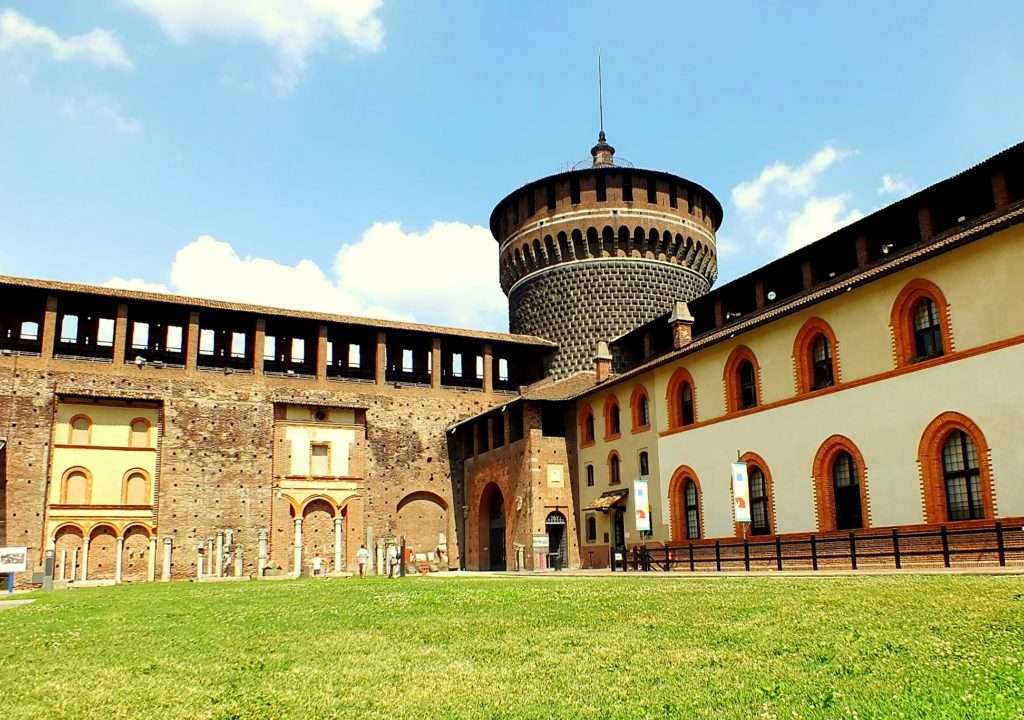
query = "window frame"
x=614 y=468
x=88 y=430
x=66 y=475
x=612 y=418
x=679 y=531
x=731 y=377
x=901 y=321
x=674 y=400
x=588 y=429
x=148 y=486
x=930 y=461
x=640 y=405
x=825 y=502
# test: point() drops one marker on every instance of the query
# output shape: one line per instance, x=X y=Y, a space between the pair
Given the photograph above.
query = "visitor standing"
x=362 y=557
x=317 y=565
x=392 y=560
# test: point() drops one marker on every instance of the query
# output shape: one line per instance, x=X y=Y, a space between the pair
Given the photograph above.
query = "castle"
x=865 y=382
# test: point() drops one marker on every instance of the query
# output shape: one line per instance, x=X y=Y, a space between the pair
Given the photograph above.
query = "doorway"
x=555 y=526
x=492 y=529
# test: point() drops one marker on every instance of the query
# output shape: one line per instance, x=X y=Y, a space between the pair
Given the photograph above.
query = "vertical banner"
x=642 y=506
x=740 y=492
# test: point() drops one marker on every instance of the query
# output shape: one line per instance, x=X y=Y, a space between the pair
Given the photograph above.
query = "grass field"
x=868 y=647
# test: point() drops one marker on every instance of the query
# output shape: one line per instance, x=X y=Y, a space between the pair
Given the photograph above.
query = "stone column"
x=297 y=561
x=380 y=367
x=85 y=558
x=435 y=363
x=63 y=559
x=165 y=572
x=151 y=564
x=263 y=548
x=73 y=570
x=199 y=561
x=238 y=561
x=209 y=555
x=338 y=534
x=118 y=560
x=321 y=354
x=219 y=558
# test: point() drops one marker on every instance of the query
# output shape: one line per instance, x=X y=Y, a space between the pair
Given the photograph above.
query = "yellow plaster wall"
x=108 y=457
x=340 y=439
x=885 y=418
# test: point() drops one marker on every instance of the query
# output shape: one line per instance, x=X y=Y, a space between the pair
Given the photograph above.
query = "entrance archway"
x=134 y=561
x=318 y=534
x=492 y=529
x=67 y=553
x=423 y=522
x=102 y=553
x=556 y=526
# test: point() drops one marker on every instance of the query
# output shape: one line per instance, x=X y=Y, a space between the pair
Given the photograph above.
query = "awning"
x=608 y=500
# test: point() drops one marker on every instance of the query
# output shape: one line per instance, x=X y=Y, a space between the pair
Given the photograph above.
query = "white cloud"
x=446 y=275
x=784 y=179
x=104 y=110
x=818 y=218
x=99 y=46
x=136 y=284
x=893 y=185
x=295 y=29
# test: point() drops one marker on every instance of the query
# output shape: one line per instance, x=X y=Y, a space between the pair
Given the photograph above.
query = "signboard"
x=740 y=492
x=555 y=477
x=540 y=541
x=642 y=506
x=13 y=559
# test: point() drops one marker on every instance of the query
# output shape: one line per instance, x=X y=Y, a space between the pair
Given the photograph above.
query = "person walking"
x=363 y=558
x=392 y=560
x=317 y=565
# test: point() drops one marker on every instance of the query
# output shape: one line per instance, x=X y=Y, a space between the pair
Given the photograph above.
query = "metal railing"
x=991 y=544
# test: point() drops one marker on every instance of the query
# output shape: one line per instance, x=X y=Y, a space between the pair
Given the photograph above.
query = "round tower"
x=589 y=254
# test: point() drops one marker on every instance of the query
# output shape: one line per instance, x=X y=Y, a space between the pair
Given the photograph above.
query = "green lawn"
x=868 y=647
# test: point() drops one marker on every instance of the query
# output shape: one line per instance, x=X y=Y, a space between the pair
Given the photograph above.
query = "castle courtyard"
x=879 y=646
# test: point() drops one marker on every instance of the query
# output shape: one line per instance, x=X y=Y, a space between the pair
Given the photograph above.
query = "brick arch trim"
x=752 y=459
x=730 y=377
x=824 y=490
x=901 y=321
x=929 y=460
x=672 y=399
x=131 y=431
x=803 y=366
x=71 y=428
x=64 y=483
x=639 y=393
x=677 y=505
x=614 y=454
x=611 y=403
x=124 y=484
x=103 y=524
x=422 y=495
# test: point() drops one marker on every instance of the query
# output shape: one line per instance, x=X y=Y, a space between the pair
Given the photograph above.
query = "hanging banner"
x=740 y=492
x=642 y=506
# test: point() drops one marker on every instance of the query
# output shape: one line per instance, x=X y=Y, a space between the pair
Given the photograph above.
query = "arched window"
x=76 y=487
x=641 y=409
x=927 y=331
x=590 y=476
x=747 y=385
x=760 y=523
x=80 y=430
x=139 y=435
x=135 y=490
x=586 y=426
x=840 y=485
x=821 y=363
x=591 y=529
x=645 y=463
x=692 y=506
x=614 y=469
x=685 y=504
x=920 y=323
x=962 y=474
x=846 y=486
x=612 y=422
x=954 y=459
x=742 y=380
x=682 y=404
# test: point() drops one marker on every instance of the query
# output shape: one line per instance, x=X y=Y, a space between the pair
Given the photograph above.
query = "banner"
x=642 y=506
x=740 y=492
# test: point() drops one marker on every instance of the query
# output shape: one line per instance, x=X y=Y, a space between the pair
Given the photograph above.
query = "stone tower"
x=589 y=254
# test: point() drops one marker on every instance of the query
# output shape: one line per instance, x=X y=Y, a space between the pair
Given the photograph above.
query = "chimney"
x=681 y=323
x=603 y=362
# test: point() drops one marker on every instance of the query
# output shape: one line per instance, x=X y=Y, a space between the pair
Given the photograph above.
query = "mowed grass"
x=865 y=647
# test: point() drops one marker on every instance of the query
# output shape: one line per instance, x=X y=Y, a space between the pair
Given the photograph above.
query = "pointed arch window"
x=591 y=529
x=840 y=485
x=586 y=426
x=682 y=402
x=641 y=408
x=612 y=419
x=920 y=323
x=955 y=466
x=760 y=523
x=962 y=475
x=742 y=380
x=614 y=469
x=691 y=503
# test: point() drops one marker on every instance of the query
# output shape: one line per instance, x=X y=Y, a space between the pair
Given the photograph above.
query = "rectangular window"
x=206 y=341
x=353 y=356
x=549 y=189
x=645 y=467
x=457 y=364
x=298 y=350
x=503 y=370
x=407 y=361
x=330 y=353
x=652 y=191
x=269 y=347
x=574 y=190
x=602 y=188
x=673 y=199
x=479 y=367
x=627 y=188
x=69 y=329
x=319 y=459
x=591 y=529
x=174 y=336
x=105 y=332
x=590 y=476
x=140 y=335
x=237 y=345
x=531 y=203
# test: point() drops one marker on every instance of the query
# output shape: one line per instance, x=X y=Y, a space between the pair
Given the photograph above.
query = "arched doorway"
x=558 y=544
x=318 y=534
x=492 y=529
x=423 y=522
x=67 y=553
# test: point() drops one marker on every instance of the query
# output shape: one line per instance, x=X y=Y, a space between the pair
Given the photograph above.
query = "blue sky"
x=344 y=156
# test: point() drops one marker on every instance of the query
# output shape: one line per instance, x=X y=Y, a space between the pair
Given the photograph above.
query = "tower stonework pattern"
x=590 y=254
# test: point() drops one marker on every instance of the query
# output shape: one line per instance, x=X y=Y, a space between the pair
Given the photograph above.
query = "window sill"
x=609 y=438
x=641 y=429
